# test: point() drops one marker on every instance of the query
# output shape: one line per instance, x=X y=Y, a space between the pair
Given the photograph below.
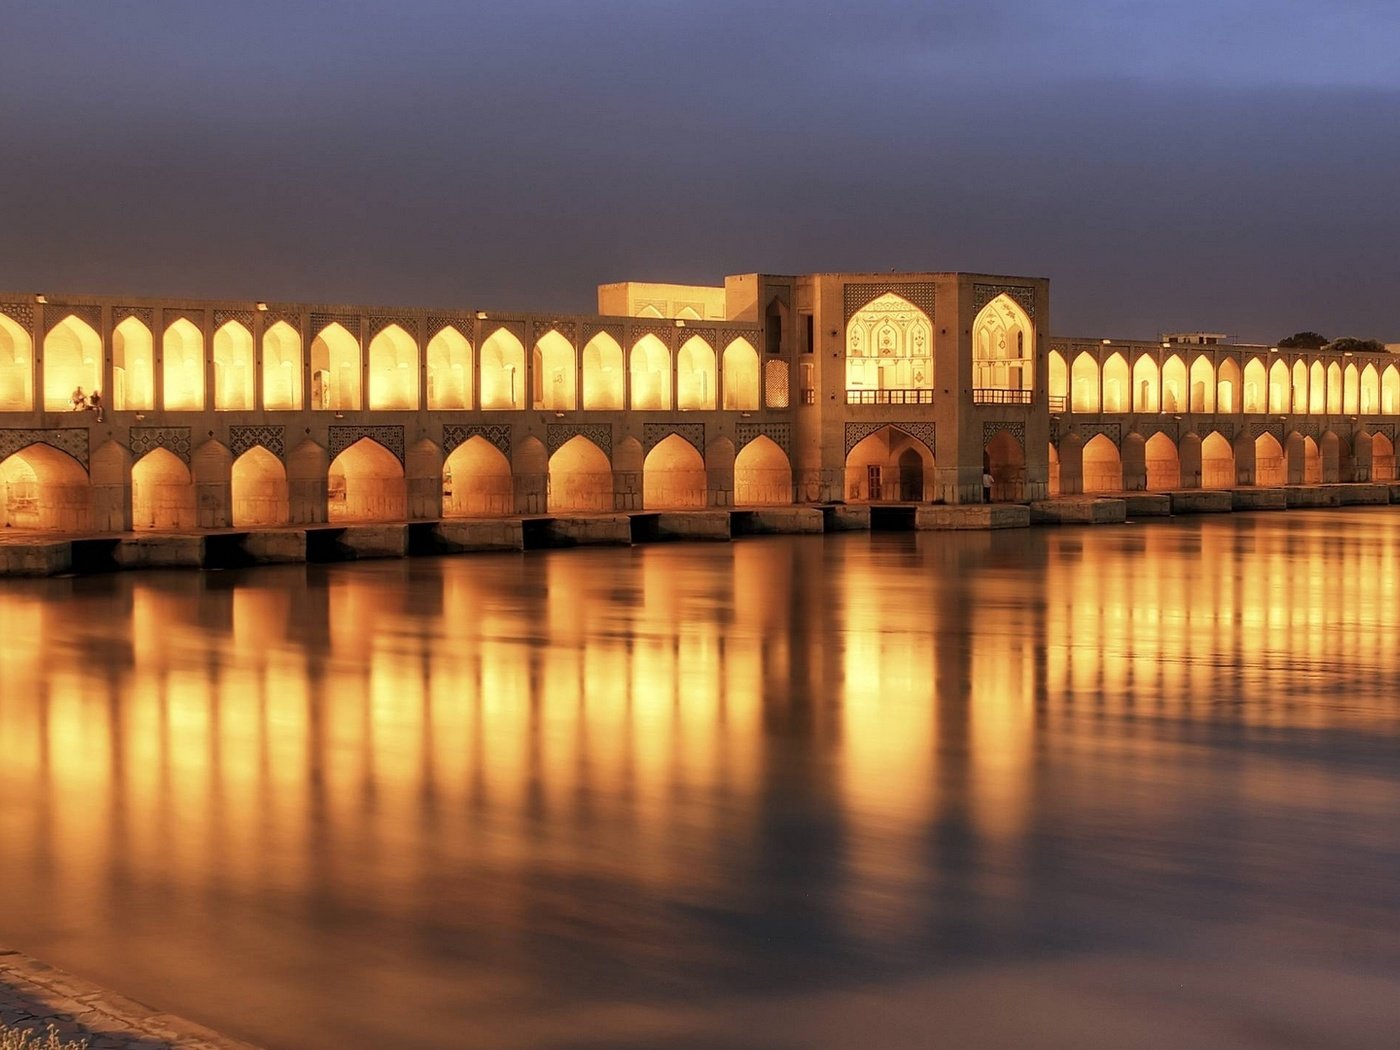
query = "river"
x=1118 y=786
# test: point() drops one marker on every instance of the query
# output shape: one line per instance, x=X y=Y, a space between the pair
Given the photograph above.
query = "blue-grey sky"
x=1225 y=164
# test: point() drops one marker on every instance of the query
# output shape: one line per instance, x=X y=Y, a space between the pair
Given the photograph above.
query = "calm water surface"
x=1129 y=786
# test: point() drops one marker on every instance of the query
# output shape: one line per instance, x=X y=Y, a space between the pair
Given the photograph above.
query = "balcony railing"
x=992 y=396
x=889 y=397
x=1059 y=403
x=809 y=397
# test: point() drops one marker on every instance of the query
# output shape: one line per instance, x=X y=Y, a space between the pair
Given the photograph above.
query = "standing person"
x=79 y=400
x=987 y=480
x=95 y=403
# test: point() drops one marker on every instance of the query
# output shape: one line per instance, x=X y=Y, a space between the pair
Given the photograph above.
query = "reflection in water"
x=789 y=792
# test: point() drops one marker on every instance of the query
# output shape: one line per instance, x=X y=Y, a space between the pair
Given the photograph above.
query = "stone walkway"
x=33 y=995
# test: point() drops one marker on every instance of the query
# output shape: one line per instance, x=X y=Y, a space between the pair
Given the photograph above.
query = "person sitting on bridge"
x=79 y=400
x=95 y=403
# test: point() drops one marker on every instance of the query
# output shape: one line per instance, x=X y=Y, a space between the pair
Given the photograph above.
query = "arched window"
x=72 y=361
x=603 y=374
x=234 y=374
x=1002 y=336
x=1085 y=378
x=16 y=368
x=553 y=373
x=889 y=353
x=449 y=370
x=393 y=370
x=281 y=368
x=335 y=370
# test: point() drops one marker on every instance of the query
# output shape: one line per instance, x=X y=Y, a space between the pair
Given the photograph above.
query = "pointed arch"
x=1382 y=458
x=133 y=367
x=889 y=346
x=762 y=474
x=1370 y=390
x=1005 y=459
x=449 y=359
x=502 y=372
x=182 y=371
x=1269 y=467
x=45 y=489
x=1255 y=387
x=1280 y=388
x=552 y=375
x=1103 y=466
x=282 y=368
x=477 y=481
x=258 y=487
x=1312 y=462
x=393 y=371
x=1217 y=462
x=1317 y=389
x=162 y=492
x=580 y=478
x=1146 y=385
x=889 y=465
x=1174 y=389
x=1202 y=384
x=72 y=362
x=16 y=368
x=1115 y=384
x=335 y=370
x=1334 y=389
x=695 y=375
x=739 y=366
x=1390 y=390
x=234 y=371
x=1227 y=386
x=651 y=374
x=1163 y=463
x=1084 y=377
x=1058 y=381
x=1351 y=389
x=1003 y=347
x=1300 y=387
x=673 y=475
x=604 y=377
x=1053 y=481
x=366 y=483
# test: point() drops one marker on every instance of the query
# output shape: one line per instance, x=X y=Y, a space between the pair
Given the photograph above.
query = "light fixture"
x=262 y=307
x=340 y=415
x=1273 y=349
x=481 y=315
x=1107 y=342
x=680 y=322
x=41 y=299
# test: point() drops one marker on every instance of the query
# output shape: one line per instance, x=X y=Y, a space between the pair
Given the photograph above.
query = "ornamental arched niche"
x=1003 y=346
x=889 y=346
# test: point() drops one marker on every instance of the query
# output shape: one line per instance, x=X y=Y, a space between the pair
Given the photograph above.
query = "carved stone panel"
x=919 y=293
x=1022 y=295
x=175 y=440
x=242 y=438
x=557 y=435
x=455 y=435
x=388 y=435
x=72 y=440
x=655 y=433
x=925 y=432
x=778 y=433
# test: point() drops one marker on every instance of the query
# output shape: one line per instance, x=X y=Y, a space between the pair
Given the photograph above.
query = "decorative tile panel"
x=1276 y=429
x=291 y=320
x=72 y=440
x=21 y=314
x=568 y=329
x=243 y=317
x=1388 y=429
x=342 y=437
x=613 y=330
x=925 y=432
x=1022 y=295
x=141 y=313
x=655 y=433
x=175 y=440
x=919 y=293
x=56 y=312
x=1171 y=428
x=559 y=434
x=1112 y=431
x=1225 y=430
x=437 y=322
x=350 y=322
x=664 y=332
x=1015 y=428
x=170 y=314
x=778 y=433
x=380 y=322
x=455 y=435
x=242 y=438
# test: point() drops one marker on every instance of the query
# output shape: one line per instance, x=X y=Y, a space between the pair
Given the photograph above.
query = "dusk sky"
x=1221 y=164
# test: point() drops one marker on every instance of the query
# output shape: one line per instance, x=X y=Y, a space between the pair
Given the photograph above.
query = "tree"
x=1347 y=344
x=1304 y=341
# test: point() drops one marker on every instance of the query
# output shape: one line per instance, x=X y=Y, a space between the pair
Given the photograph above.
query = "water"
x=1131 y=786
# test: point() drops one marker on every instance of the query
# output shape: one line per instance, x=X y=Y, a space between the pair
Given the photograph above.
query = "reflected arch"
x=16 y=367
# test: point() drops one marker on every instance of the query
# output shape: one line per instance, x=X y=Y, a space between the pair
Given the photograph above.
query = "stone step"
x=983 y=516
x=1079 y=510
x=1201 y=501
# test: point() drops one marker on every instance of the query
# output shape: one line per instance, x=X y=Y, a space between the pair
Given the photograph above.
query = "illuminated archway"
x=335 y=370
x=133 y=367
x=1217 y=462
x=1058 y=381
x=1115 y=384
x=449 y=357
x=695 y=375
x=1084 y=377
x=651 y=374
x=580 y=478
x=45 y=489
x=1334 y=389
x=889 y=466
x=1300 y=387
x=1005 y=460
x=739 y=365
x=366 y=483
x=1351 y=390
x=762 y=474
x=1202 y=385
x=1317 y=389
x=1370 y=390
x=477 y=481
x=552 y=375
x=162 y=492
x=1003 y=347
x=1382 y=458
x=1255 y=387
x=1335 y=454
x=604 y=377
x=889 y=346
x=282 y=385
x=1390 y=390
x=1280 y=387
x=1146 y=382
x=258 y=487
x=1103 y=467
x=393 y=370
x=1174 y=387
x=234 y=373
x=502 y=371
x=1312 y=462
x=72 y=362
x=1269 y=466
x=16 y=368
x=182 y=374
x=1227 y=386
x=1054 y=466
x=1163 y=463
x=673 y=475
